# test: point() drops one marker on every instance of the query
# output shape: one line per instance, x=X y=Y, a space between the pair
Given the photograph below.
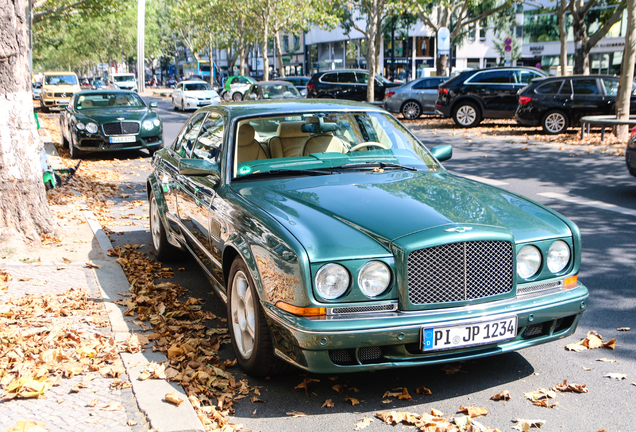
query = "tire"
x=164 y=251
x=64 y=140
x=237 y=97
x=555 y=122
x=411 y=110
x=75 y=152
x=252 y=344
x=174 y=106
x=466 y=114
x=44 y=108
x=182 y=106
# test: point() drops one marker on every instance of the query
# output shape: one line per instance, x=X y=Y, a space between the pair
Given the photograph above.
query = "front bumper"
x=96 y=143
x=55 y=102
x=388 y=340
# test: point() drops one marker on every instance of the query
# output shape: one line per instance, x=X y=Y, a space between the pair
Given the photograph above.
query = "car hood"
x=112 y=115
x=126 y=84
x=358 y=215
x=200 y=94
x=61 y=88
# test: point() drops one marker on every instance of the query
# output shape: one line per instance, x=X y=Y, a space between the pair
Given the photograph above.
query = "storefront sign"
x=536 y=49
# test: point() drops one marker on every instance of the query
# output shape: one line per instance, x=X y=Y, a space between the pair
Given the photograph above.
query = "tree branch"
x=41 y=16
x=599 y=34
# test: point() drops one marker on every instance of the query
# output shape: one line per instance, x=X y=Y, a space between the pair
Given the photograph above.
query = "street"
x=594 y=190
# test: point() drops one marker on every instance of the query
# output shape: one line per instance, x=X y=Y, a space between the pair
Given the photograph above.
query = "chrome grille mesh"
x=121 y=128
x=364 y=309
x=460 y=271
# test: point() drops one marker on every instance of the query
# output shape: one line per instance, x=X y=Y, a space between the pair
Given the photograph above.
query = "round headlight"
x=528 y=261
x=147 y=124
x=91 y=128
x=80 y=126
x=558 y=256
x=332 y=280
x=156 y=122
x=374 y=278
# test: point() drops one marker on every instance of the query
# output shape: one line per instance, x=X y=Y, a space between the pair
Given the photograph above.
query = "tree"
x=456 y=15
x=45 y=10
x=563 y=36
x=583 y=43
x=24 y=211
x=625 y=87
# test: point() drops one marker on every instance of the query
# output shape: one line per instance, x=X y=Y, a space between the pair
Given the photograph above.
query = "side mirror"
x=199 y=167
x=442 y=152
x=153 y=105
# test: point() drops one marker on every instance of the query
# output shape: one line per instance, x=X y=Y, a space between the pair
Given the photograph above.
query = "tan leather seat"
x=289 y=140
x=87 y=103
x=324 y=144
x=248 y=148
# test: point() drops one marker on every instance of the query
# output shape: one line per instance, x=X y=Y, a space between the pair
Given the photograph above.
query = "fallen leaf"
x=339 y=387
x=423 y=391
x=504 y=395
x=297 y=414
x=254 y=399
x=90 y=265
x=113 y=406
x=27 y=426
x=540 y=394
x=436 y=413
x=387 y=401
x=606 y=360
x=92 y=403
x=131 y=422
x=544 y=403
x=328 y=404
x=616 y=376
x=575 y=388
x=451 y=369
x=352 y=400
x=363 y=423
x=405 y=395
x=624 y=329
x=586 y=368
x=173 y=399
x=525 y=425
x=474 y=411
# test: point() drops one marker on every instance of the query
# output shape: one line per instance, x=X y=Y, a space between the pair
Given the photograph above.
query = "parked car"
x=236 y=86
x=36 y=89
x=193 y=95
x=557 y=103
x=266 y=90
x=475 y=95
x=96 y=121
x=341 y=244
x=346 y=84
x=57 y=89
x=300 y=82
x=630 y=153
x=98 y=84
x=123 y=81
x=171 y=83
x=414 y=98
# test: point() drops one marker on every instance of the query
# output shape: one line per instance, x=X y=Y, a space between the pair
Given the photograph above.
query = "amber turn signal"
x=570 y=282
x=301 y=311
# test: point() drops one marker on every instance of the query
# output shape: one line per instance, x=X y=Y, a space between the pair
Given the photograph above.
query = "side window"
x=549 y=88
x=188 y=135
x=567 y=88
x=330 y=78
x=611 y=87
x=494 y=77
x=363 y=78
x=419 y=85
x=208 y=146
x=524 y=77
x=346 y=77
x=585 y=87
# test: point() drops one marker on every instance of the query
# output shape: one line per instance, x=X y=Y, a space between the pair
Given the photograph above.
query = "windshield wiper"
x=291 y=172
x=374 y=164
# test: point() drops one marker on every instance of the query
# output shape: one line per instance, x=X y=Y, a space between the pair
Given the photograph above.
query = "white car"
x=123 y=81
x=193 y=94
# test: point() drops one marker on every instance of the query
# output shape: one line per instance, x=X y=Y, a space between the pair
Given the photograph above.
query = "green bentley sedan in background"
x=340 y=243
x=108 y=120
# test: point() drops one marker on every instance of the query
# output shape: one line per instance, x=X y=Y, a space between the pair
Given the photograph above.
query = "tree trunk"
x=264 y=49
x=563 y=37
x=279 y=53
x=24 y=210
x=210 y=47
x=623 y=98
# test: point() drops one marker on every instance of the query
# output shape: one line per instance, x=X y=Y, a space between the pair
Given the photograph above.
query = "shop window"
x=473 y=63
x=424 y=46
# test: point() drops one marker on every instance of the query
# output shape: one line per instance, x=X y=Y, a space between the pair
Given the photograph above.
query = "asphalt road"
x=593 y=190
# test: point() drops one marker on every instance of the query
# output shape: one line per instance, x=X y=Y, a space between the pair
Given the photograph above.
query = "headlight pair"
x=529 y=259
x=333 y=280
x=151 y=124
x=90 y=127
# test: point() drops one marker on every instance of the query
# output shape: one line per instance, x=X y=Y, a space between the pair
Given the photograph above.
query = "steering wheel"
x=368 y=144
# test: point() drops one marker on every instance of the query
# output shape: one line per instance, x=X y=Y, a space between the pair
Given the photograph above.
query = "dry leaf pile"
x=434 y=422
x=41 y=342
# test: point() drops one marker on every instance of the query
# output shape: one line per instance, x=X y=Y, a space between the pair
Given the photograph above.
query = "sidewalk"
x=62 y=337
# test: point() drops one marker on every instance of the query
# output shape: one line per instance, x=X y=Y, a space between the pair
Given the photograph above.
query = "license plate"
x=469 y=334
x=123 y=139
x=204 y=103
x=63 y=102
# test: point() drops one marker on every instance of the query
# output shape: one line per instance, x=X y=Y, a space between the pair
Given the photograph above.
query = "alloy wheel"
x=466 y=115
x=555 y=122
x=411 y=110
x=155 y=221
x=243 y=314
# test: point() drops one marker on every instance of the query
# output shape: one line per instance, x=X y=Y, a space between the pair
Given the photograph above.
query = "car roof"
x=59 y=73
x=277 y=82
x=85 y=92
x=281 y=107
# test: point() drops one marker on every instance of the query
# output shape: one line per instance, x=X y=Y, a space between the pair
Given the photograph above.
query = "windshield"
x=123 y=78
x=382 y=79
x=197 y=86
x=280 y=91
x=326 y=140
x=97 y=82
x=108 y=101
x=60 y=80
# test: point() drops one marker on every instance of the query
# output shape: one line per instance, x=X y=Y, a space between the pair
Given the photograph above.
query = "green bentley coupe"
x=96 y=121
x=340 y=243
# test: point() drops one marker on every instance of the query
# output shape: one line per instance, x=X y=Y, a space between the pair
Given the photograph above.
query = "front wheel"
x=467 y=115
x=75 y=152
x=555 y=122
x=164 y=251
x=251 y=341
x=174 y=106
x=237 y=97
x=411 y=110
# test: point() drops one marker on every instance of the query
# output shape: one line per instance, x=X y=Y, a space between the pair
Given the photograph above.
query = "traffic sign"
x=508 y=41
x=443 y=40
x=507 y=48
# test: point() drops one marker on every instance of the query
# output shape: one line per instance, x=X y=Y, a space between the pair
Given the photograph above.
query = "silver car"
x=414 y=98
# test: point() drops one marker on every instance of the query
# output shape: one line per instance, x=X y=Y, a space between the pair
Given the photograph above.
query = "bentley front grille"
x=121 y=128
x=460 y=271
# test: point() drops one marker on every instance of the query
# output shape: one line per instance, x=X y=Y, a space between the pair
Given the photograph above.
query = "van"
x=122 y=81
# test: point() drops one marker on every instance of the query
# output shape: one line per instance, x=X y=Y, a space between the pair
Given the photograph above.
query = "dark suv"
x=473 y=96
x=556 y=103
x=346 y=84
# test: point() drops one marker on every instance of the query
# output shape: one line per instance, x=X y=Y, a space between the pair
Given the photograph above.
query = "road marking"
x=485 y=180
x=589 y=203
